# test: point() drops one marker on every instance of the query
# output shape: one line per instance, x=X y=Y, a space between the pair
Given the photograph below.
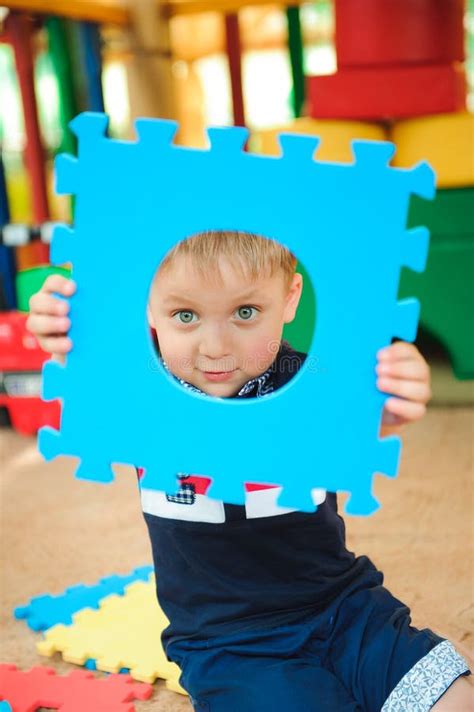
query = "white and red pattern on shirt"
x=260 y=501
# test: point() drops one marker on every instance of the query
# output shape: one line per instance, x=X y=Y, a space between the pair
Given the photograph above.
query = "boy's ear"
x=293 y=298
x=149 y=316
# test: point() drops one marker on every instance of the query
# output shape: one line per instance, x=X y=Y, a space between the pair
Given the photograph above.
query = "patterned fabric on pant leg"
x=373 y=647
x=350 y=657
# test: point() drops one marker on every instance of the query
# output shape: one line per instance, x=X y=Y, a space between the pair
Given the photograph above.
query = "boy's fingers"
x=390 y=418
x=399 y=350
x=56 y=344
x=44 y=303
x=44 y=325
x=59 y=283
x=405 y=409
x=411 y=369
x=412 y=390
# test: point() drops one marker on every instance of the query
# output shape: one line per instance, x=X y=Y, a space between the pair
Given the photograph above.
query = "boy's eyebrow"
x=176 y=298
x=181 y=298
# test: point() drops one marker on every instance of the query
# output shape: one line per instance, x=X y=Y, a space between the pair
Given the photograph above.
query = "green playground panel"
x=300 y=331
x=29 y=281
x=450 y=213
x=446 y=293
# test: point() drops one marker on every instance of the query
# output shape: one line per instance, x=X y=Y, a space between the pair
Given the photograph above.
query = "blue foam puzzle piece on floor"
x=345 y=222
x=45 y=611
x=92 y=665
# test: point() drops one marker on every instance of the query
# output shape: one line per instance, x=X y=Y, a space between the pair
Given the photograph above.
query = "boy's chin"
x=219 y=390
x=224 y=389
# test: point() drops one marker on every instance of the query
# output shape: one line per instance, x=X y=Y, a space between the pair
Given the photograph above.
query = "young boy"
x=268 y=610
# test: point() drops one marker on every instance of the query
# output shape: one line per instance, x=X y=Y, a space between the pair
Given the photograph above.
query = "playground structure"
x=382 y=90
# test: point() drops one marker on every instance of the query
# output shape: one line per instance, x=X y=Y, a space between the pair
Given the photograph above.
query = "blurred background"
x=398 y=70
x=342 y=69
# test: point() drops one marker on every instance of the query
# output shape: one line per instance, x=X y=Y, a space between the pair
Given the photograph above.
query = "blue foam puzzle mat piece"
x=45 y=611
x=5 y=706
x=92 y=665
x=345 y=222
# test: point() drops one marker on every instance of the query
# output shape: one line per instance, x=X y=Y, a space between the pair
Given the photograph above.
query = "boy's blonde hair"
x=252 y=254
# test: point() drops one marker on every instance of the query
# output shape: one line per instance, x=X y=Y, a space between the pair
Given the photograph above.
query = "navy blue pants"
x=349 y=658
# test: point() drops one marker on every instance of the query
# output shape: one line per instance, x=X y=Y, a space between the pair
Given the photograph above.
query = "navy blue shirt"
x=222 y=567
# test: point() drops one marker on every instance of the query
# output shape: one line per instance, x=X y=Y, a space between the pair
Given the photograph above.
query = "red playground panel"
x=21 y=361
x=28 y=415
x=371 y=32
x=80 y=691
x=387 y=92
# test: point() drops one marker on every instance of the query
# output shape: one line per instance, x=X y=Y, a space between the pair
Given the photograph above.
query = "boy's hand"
x=48 y=319
x=403 y=372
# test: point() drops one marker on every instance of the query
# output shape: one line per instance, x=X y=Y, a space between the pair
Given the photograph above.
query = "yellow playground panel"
x=446 y=141
x=336 y=137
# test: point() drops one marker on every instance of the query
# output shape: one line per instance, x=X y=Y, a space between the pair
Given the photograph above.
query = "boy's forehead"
x=181 y=279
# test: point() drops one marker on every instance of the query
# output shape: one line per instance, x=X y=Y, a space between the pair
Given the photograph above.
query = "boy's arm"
x=403 y=372
x=48 y=318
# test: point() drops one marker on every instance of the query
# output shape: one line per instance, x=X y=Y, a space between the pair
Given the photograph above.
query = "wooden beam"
x=105 y=11
x=234 y=55
x=150 y=72
x=117 y=12
x=190 y=7
x=19 y=30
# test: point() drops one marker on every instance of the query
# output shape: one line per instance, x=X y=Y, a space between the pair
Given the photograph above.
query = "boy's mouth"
x=218 y=375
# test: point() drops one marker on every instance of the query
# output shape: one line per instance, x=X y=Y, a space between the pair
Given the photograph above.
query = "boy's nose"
x=214 y=345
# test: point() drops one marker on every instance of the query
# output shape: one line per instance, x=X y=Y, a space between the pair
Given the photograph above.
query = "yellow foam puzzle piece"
x=336 y=137
x=124 y=632
x=446 y=141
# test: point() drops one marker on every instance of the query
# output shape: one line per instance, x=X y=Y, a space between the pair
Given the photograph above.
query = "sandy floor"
x=57 y=531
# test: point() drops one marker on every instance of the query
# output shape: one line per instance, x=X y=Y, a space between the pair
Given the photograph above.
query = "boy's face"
x=218 y=335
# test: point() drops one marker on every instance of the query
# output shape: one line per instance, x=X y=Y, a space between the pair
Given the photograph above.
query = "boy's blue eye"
x=246 y=313
x=185 y=316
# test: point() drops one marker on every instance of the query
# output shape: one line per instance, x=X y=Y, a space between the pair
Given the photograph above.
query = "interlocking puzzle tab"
x=76 y=692
x=345 y=222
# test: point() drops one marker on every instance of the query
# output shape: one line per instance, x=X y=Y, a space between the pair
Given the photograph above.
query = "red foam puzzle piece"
x=387 y=92
x=77 y=692
x=371 y=32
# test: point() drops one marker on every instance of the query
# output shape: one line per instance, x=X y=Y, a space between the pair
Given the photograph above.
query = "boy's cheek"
x=261 y=354
x=175 y=354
